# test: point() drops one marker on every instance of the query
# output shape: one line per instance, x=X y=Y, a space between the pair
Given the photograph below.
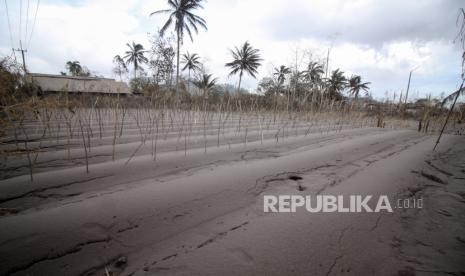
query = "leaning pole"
x=448 y=114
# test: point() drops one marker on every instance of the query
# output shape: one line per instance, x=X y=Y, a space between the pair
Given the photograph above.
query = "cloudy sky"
x=379 y=40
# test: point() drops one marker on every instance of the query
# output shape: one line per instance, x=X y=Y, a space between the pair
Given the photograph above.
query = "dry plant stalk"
x=85 y=146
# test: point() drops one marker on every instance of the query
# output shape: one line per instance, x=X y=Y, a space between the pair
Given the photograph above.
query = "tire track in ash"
x=343 y=169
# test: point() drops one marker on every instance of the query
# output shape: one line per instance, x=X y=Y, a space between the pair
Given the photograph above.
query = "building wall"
x=57 y=83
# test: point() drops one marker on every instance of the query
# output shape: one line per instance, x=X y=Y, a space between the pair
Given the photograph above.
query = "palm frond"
x=160 y=11
x=181 y=11
x=245 y=59
x=452 y=96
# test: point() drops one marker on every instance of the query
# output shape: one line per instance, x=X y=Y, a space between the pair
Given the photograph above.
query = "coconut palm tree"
x=281 y=73
x=205 y=84
x=181 y=12
x=191 y=63
x=120 y=66
x=135 y=55
x=313 y=73
x=245 y=59
x=336 y=84
x=313 y=76
x=74 y=67
x=355 y=84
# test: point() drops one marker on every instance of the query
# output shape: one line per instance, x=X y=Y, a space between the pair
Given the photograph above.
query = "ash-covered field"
x=178 y=192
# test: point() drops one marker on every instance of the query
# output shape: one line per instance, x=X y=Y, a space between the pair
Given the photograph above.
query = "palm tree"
x=120 y=66
x=245 y=59
x=191 y=62
x=281 y=73
x=205 y=84
x=313 y=73
x=355 y=85
x=135 y=55
x=181 y=12
x=336 y=83
x=74 y=67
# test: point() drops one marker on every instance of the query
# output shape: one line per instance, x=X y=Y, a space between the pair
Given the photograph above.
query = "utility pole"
x=408 y=86
x=22 y=54
x=34 y=92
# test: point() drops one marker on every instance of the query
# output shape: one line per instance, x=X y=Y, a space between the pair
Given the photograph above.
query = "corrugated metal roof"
x=59 y=83
x=67 y=77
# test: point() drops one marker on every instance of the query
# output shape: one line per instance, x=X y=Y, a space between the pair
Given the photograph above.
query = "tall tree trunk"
x=288 y=97
x=276 y=97
x=239 y=86
x=177 y=63
x=189 y=81
x=326 y=90
x=239 y=91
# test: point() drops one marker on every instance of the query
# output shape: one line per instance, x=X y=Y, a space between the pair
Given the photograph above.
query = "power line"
x=9 y=25
x=27 y=19
x=20 y=17
x=34 y=24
